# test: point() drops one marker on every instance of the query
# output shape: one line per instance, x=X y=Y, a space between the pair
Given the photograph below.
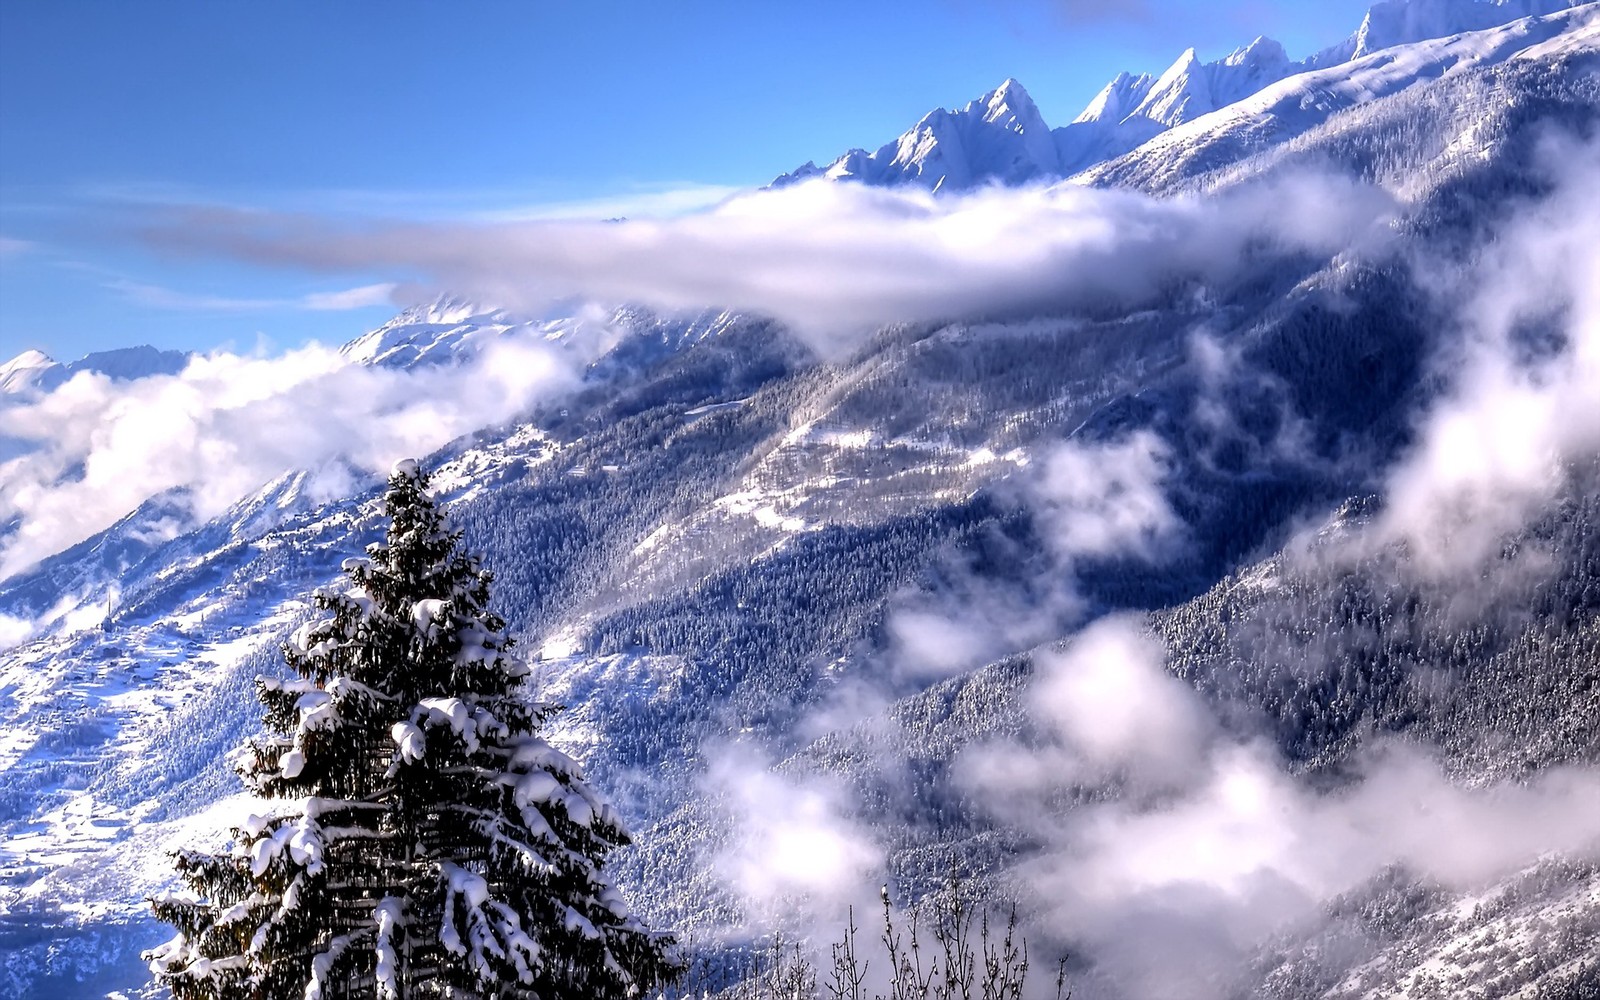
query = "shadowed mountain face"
x=1153 y=620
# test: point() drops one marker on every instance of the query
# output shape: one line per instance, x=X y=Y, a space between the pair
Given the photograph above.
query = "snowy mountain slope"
x=1334 y=659
x=1399 y=22
x=155 y=663
x=448 y=329
x=607 y=346
x=1544 y=673
x=22 y=370
x=1529 y=937
x=641 y=480
x=1462 y=125
x=1113 y=125
x=77 y=586
x=607 y=343
x=866 y=473
x=1295 y=106
x=1001 y=137
x=428 y=334
x=36 y=372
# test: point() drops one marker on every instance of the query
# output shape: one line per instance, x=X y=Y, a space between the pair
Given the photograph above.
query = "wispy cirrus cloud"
x=160 y=297
x=12 y=247
x=652 y=202
x=487 y=204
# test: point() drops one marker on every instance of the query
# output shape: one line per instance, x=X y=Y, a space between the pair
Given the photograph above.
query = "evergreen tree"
x=432 y=845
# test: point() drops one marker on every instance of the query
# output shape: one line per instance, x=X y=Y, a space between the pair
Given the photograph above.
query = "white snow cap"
x=406 y=467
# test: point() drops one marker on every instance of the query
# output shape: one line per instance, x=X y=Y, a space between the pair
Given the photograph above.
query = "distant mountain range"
x=1001 y=138
x=35 y=371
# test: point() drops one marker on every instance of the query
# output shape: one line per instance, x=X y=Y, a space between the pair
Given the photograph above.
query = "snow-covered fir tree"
x=431 y=844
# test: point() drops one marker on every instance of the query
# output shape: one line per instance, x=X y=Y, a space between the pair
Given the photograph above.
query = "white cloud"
x=1498 y=448
x=1210 y=844
x=1172 y=899
x=351 y=298
x=794 y=847
x=14 y=631
x=1110 y=699
x=228 y=423
x=12 y=247
x=1105 y=500
x=1102 y=500
x=674 y=199
x=835 y=261
x=932 y=643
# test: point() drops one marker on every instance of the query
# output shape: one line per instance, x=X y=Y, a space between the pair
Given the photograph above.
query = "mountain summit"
x=1001 y=138
x=1400 y=22
x=35 y=371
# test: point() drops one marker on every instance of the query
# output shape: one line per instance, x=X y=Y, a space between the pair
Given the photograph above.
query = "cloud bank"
x=1523 y=405
x=1203 y=843
x=1210 y=845
x=94 y=449
x=834 y=261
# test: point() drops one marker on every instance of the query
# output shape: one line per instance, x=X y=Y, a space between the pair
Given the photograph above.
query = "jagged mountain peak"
x=1181 y=93
x=1190 y=88
x=1189 y=59
x=1263 y=50
x=446 y=309
x=1117 y=99
x=1009 y=106
x=1008 y=103
x=20 y=372
x=429 y=332
x=1002 y=137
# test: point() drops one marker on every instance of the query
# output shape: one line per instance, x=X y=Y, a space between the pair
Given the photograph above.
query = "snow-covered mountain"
x=1001 y=138
x=448 y=330
x=451 y=331
x=1295 y=106
x=430 y=333
x=37 y=372
x=1131 y=110
x=727 y=550
x=1398 y=22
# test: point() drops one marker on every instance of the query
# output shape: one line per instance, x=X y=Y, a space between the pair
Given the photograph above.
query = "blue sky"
x=479 y=109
